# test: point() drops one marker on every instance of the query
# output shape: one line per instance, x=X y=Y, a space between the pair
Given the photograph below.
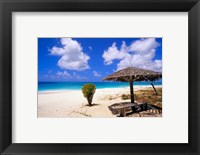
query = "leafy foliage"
x=88 y=92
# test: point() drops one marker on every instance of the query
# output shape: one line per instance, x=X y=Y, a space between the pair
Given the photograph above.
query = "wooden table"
x=123 y=106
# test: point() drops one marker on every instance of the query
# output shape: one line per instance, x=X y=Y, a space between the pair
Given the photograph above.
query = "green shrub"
x=128 y=96
x=88 y=92
x=125 y=97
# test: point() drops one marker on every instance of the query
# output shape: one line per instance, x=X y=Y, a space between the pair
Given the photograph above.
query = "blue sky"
x=92 y=59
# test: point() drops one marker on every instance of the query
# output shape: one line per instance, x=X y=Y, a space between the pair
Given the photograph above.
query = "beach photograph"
x=99 y=77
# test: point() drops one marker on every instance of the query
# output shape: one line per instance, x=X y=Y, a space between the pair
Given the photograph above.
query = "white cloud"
x=76 y=76
x=63 y=74
x=144 y=45
x=139 y=54
x=49 y=71
x=97 y=74
x=67 y=76
x=113 y=53
x=90 y=47
x=72 y=55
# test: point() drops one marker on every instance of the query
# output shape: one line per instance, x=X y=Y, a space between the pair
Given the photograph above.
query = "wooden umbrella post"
x=154 y=88
x=131 y=91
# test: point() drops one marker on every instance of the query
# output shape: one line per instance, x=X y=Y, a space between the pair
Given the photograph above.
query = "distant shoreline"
x=136 y=87
x=72 y=86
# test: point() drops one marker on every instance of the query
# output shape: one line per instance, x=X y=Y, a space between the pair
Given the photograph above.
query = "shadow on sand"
x=93 y=104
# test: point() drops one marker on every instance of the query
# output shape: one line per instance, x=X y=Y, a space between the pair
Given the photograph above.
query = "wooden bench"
x=134 y=106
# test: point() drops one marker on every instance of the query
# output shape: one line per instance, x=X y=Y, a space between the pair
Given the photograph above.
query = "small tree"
x=88 y=92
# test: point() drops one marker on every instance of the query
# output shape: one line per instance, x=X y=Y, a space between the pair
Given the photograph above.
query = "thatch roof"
x=134 y=74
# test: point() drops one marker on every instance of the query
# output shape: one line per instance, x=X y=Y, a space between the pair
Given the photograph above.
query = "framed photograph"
x=80 y=76
x=100 y=77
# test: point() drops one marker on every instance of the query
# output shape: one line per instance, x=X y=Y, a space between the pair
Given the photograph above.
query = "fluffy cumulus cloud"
x=140 y=53
x=113 y=53
x=72 y=55
x=144 y=45
x=95 y=73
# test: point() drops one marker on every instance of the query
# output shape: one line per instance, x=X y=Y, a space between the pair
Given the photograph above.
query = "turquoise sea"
x=60 y=86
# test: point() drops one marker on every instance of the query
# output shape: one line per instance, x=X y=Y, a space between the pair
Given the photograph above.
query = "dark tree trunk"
x=154 y=88
x=89 y=101
x=131 y=91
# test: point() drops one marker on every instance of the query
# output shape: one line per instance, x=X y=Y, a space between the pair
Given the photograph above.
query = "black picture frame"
x=9 y=6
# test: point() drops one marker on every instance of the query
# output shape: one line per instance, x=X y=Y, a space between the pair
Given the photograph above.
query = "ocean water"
x=61 y=86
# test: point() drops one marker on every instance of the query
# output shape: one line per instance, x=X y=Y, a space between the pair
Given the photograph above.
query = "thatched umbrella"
x=132 y=74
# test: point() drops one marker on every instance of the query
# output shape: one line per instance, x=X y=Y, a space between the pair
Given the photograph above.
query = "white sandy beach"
x=71 y=103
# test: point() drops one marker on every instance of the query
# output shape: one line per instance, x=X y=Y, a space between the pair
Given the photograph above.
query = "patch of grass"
x=148 y=95
x=126 y=96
